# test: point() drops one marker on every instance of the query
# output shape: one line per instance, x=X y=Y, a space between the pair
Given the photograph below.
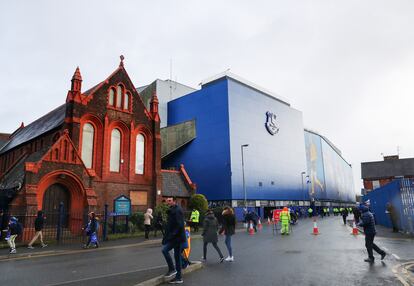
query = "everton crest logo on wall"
x=271 y=123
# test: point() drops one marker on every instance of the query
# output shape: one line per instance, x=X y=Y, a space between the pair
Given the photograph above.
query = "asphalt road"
x=333 y=258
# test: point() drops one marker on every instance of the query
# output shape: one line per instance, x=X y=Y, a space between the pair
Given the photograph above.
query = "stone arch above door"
x=80 y=197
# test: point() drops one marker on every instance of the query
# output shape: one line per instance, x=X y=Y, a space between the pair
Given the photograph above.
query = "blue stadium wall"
x=273 y=163
x=330 y=176
x=207 y=158
x=229 y=114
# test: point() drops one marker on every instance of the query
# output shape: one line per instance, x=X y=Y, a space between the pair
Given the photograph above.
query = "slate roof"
x=15 y=175
x=173 y=185
x=387 y=168
x=4 y=138
x=48 y=122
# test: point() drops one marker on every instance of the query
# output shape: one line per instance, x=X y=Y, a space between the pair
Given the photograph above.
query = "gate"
x=400 y=193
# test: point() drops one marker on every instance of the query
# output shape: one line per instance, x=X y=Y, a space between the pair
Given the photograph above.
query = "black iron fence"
x=65 y=227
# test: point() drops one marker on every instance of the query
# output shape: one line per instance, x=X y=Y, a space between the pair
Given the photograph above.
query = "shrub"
x=198 y=202
x=137 y=219
x=161 y=209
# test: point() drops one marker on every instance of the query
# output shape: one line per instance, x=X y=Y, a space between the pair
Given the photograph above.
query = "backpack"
x=19 y=228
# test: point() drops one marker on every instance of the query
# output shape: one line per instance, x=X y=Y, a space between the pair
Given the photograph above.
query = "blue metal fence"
x=400 y=193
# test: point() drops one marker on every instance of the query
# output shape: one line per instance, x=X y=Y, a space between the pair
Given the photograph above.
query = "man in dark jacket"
x=357 y=214
x=173 y=239
x=344 y=213
x=39 y=222
x=368 y=223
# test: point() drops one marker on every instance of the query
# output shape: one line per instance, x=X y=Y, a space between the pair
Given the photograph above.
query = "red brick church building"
x=100 y=144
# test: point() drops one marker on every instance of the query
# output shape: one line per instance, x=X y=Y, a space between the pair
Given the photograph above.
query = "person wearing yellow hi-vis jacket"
x=285 y=220
x=195 y=219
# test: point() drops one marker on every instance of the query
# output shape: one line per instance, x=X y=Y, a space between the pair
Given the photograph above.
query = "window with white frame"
x=111 y=100
x=115 y=156
x=139 y=154
x=87 y=144
x=119 y=96
x=126 y=101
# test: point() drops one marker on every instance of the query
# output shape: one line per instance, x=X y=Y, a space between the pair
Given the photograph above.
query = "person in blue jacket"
x=368 y=223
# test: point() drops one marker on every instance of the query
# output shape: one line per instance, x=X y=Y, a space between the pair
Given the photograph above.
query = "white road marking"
x=396 y=256
x=108 y=275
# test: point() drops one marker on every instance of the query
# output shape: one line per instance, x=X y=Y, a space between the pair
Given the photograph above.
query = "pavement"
x=335 y=257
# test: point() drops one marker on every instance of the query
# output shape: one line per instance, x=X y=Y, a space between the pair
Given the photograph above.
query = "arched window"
x=119 y=96
x=111 y=97
x=115 y=151
x=126 y=101
x=87 y=144
x=139 y=154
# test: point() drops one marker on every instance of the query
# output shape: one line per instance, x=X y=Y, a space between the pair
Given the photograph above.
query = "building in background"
x=379 y=173
x=101 y=144
x=283 y=163
x=169 y=89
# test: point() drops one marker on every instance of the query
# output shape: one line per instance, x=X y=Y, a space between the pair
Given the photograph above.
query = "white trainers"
x=30 y=247
x=229 y=259
x=13 y=250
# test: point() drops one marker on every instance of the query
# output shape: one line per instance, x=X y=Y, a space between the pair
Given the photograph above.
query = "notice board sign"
x=122 y=206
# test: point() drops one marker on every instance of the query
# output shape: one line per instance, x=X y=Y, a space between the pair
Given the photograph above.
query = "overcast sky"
x=348 y=65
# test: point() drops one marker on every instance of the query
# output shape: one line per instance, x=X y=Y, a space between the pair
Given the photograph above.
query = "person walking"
x=310 y=211
x=210 y=227
x=195 y=219
x=91 y=229
x=173 y=239
x=368 y=223
x=285 y=220
x=39 y=222
x=357 y=214
x=158 y=224
x=251 y=217
x=13 y=230
x=229 y=229
x=390 y=209
x=344 y=213
x=147 y=222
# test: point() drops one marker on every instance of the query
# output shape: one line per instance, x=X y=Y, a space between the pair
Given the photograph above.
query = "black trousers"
x=195 y=226
x=147 y=230
x=344 y=218
x=370 y=245
x=214 y=245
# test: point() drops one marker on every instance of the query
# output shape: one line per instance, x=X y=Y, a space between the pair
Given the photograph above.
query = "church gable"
x=116 y=95
x=62 y=151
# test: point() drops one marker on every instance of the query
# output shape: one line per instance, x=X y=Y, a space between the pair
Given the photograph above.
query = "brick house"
x=100 y=144
x=379 y=173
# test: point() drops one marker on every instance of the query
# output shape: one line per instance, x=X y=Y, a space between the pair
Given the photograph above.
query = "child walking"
x=14 y=229
x=91 y=231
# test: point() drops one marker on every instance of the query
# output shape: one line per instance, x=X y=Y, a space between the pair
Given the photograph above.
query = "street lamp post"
x=303 y=187
x=244 y=184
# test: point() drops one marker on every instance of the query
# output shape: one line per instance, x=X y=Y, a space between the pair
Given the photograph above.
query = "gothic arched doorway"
x=53 y=196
